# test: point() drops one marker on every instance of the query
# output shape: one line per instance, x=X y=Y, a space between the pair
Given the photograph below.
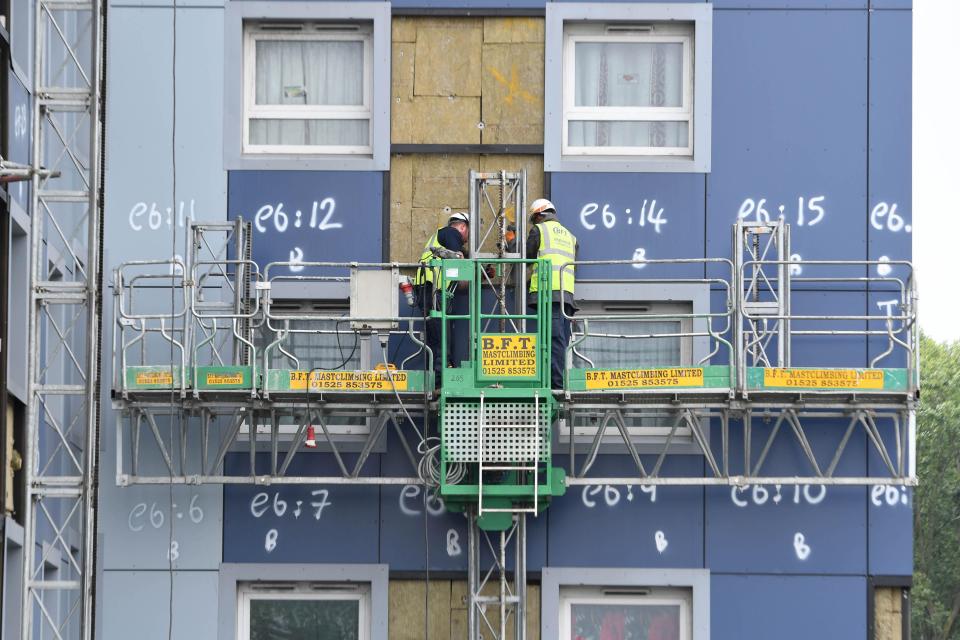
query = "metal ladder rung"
x=532 y=510
x=507 y=468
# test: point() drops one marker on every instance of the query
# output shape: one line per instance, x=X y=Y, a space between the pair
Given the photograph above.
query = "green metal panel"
x=148 y=377
x=813 y=379
x=224 y=378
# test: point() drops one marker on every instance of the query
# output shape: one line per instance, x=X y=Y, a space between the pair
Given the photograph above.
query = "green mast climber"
x=496 y=409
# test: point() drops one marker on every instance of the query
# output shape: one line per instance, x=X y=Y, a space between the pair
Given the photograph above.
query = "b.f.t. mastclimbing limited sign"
x=349 y=380
x=509 y=355
x=824 y=378
x=644 y=378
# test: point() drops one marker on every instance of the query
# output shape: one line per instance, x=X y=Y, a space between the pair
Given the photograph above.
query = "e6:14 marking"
x=649 y=214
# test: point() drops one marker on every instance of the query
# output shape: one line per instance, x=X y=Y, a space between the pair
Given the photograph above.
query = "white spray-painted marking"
x=661 y=541
x=800 y=546
x=884 y=269
x=453 y=543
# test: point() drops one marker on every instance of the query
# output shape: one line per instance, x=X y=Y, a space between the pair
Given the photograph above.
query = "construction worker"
x=450 y=238
x=550 y=239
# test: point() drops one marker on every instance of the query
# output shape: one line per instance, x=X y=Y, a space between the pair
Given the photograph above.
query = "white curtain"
x=305 y=72
x=613 y=353
x=628 y=74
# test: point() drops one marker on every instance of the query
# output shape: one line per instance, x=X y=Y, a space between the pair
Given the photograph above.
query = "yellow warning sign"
x=154 y=378
x=224 y=379
x=824 y=378
x=349 y=380
x=509 y=356
x=645 y=378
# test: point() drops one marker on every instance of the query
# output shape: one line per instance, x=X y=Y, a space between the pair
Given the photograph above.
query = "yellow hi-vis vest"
x=427 y=274
x=559 y=246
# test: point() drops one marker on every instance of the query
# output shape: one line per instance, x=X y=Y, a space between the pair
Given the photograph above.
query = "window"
x=303 y=611
x=628 y=89
x=307 y=88
x=593 y=603
x=604 y=347
x=621 y=612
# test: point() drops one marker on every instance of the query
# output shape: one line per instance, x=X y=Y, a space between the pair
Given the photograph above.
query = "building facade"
x=346 y=132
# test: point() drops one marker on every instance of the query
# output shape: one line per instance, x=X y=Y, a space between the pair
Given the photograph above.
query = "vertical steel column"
x=60 y=461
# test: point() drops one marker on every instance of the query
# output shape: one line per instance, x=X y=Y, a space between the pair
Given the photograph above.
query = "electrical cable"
x=173 y=253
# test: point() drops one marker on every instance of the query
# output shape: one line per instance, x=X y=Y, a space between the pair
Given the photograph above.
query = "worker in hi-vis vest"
x=448 y=241
x=551 y=240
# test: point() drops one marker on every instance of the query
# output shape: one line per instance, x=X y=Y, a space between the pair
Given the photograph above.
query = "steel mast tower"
x=64 y=328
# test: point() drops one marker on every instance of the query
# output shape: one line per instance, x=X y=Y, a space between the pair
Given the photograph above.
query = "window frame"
x=238 y=14
x=639 y=435
x=556 y=580
x=557 y=154
x=684 y=113
x=374 y=577
x=253 y=32
x=695 y=297
x=252 y=590
x=572 y=595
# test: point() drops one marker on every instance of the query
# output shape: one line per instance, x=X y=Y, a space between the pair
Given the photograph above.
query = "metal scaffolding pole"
x=64 y=328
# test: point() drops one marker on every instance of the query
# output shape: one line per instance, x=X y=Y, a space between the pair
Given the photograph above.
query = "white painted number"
x=661 y=541
x=155 y=215
x=453 y=543
x=889 y=495
x=611 y=494
x=270 y=542
x=173 y=554
x=196 y=513
x=281 y=220
x=884 y=216
x=649 y=214
x=809 y=211
x=322 y=504
x=800 y=546
x=760 y=495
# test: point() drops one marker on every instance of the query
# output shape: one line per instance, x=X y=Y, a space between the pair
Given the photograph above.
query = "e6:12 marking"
x=281 y=221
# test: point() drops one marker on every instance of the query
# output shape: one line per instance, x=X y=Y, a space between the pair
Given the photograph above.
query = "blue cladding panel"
x=891 y=4
x=632 y=199
x=891 y=217
x=472 y=4
x=788 y=608
x=306 y=530
x=789 y=122
x=611 y=526
x=790 y=4
x=803 y=529
x=19 y=136
x=824 y=350
x=889 y=515
x=340 y=214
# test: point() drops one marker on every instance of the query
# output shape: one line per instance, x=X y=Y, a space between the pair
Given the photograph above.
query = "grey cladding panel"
x=141 y=217
x=136 y=605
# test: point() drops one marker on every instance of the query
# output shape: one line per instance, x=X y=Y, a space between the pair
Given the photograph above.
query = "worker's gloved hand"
x=510 y=237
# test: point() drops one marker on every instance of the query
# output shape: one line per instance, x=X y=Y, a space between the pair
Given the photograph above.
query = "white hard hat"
x=459 y=216
x=541 y=205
